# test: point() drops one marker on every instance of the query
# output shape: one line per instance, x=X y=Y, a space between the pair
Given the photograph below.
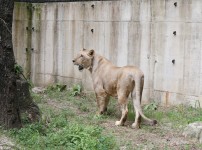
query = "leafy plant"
x=151 y=106
x=58 y=87
x=18 y=69
x=62 y=134
x=131 y=113
x=76 y=90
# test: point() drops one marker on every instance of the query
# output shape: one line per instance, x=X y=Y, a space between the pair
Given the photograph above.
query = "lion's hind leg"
x=136 y=124
x=123 y=102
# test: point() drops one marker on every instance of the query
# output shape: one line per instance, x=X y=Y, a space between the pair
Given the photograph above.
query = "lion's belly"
x=111 y=88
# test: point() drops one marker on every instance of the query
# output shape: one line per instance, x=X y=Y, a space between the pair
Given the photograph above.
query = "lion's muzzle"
x=80 y=67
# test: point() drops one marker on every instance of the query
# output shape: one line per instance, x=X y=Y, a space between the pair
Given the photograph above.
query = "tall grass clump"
x=59 y=133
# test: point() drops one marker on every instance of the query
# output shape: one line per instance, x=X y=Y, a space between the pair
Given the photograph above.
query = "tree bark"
x=9 y=108
x=15 y=97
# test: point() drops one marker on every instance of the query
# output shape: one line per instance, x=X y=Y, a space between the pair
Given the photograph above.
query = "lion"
x=110 y=80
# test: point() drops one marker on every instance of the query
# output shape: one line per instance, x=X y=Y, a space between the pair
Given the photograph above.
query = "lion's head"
x=84 y=59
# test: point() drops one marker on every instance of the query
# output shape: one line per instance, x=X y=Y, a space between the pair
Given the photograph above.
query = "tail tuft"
x=154 y=122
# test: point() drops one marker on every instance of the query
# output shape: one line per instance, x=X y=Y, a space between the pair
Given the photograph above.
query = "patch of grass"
x=179 y=115
x=76 y=90
x=113 y=109
x=60 y=133
x=131 y=113
x=61 y=126
x=70 y=122
x=37 y=97
x=56 y=87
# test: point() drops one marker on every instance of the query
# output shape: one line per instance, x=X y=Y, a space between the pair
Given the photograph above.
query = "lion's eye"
x=81 y=55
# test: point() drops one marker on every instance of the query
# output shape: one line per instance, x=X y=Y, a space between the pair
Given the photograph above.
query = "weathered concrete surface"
x=164 y=40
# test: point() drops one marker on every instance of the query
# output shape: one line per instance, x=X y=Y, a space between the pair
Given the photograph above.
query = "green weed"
x=62 y=134
x=56 y=87
x=18 y=69
x=151 y=106
x=76 y=90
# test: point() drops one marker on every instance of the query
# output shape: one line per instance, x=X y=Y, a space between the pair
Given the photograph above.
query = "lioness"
x=110 y=80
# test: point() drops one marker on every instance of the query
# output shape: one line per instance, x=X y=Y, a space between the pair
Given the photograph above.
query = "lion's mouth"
x=80 y=67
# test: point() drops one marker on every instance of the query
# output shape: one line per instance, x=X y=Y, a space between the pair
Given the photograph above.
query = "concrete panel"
x=169 y=54
x=193 y=101
x=195 y=11
x=187 y=11
x=192 y=58
x=145 y=51
x=22 y=11
x=60 y=11
x=71 y=42
x=162 y=39
x=134 y=43
x=94 y=36
x=20 y=41
x=71 y=11
x=141 y=10
x=36 y=46
x=139 y=47
x=201 y=75
x=168 y=98
x=108 y=11
x=116 y=42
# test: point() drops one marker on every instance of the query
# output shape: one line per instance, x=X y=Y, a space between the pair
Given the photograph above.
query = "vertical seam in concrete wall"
x=84 y=13
x=55 y=41
x=184 y=38
x=200 y=85
x=29 y=42
x=45 y=25
x=150 y=58
x=83 y=4
x=38 y=69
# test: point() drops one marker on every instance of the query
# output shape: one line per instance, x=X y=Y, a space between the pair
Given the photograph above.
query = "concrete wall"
x=134 y=32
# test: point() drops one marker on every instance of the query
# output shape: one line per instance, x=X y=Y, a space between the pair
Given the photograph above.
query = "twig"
x=6 y=25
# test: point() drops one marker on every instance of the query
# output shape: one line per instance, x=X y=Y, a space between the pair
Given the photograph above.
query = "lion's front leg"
x=102 y=102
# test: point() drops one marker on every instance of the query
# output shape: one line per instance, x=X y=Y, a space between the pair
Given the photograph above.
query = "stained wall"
x=162 y=37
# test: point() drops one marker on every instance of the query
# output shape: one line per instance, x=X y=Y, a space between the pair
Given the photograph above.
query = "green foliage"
x=62 y=134
x=151 y=106
x=178 y=116
x=131 y=114
x=56 y=87
x=18 y=69
x=76 y=90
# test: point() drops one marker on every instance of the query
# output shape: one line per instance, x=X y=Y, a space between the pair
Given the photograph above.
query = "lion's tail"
x=137 y=97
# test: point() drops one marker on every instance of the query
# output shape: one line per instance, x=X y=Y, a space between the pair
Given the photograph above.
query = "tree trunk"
x=14 y=93
x=9 y=108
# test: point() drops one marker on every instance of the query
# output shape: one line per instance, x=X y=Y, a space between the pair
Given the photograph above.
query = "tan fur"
x=110 y=80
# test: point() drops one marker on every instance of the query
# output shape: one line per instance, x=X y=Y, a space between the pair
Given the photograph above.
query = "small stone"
x=194 y=131
x=38 y=90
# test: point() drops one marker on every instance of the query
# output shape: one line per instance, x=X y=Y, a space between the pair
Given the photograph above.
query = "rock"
x=38 y=90
x=194 y=131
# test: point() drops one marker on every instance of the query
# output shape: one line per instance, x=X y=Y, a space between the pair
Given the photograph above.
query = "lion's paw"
x=135 y=126
x=118 y=123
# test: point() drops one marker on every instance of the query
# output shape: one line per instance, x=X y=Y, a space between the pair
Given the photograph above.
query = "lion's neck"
x=97 y=62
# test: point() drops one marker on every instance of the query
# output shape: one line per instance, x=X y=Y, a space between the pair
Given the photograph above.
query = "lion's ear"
x=91 y=52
